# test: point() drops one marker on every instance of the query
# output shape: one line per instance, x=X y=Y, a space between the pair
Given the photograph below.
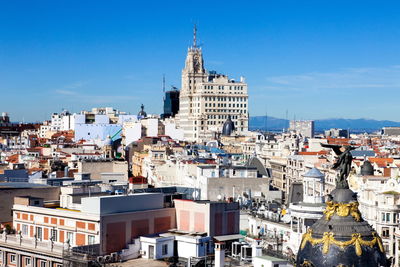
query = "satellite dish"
x=219 y=197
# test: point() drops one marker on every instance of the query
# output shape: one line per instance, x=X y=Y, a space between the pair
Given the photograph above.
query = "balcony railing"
x=31 y=243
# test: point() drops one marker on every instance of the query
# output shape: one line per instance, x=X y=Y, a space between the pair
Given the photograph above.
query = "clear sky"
x=315 y=59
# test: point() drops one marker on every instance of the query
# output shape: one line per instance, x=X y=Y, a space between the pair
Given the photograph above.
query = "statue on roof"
x=343 y=163
x=142 y=113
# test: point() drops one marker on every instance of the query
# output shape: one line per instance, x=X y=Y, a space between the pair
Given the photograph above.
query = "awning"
x=223 y=238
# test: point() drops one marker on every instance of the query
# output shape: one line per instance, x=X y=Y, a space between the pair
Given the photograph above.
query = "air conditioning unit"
x=114 y=256
x=100 y=259
x=107 y=258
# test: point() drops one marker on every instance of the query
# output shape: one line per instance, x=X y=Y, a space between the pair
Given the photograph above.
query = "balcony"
x=19 y=242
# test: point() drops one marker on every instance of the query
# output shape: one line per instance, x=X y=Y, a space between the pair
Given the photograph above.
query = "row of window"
x=220 y=123
x=211 y=92
x=195 y=135
x=225 y=98
x=224 y=105
x=219 y=86
x=226 y=110
x=26 y=260
x=389 y=217
x=222 y=117
x=54 y=235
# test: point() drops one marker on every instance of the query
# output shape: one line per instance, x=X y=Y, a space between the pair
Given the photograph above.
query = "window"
x=385 y=232
x=24 y=229
x=165 y=249
x=43 y=264
x=13 y=259
x=91 y=239
x=39 y=233
x=28 y=261
x=54 y=234
x=388 y=217
x=70 y=237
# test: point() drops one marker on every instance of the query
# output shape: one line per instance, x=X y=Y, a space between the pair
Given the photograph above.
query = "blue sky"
x=316 y=59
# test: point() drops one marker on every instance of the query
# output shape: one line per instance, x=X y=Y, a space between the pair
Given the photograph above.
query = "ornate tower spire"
x=194 y=36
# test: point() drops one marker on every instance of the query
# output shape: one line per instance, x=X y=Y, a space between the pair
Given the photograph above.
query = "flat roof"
x=265 y=257
x=11 y=185
x=228 y=237
x=134 y=194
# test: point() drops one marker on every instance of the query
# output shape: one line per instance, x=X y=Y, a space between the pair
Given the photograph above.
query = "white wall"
x=188 y=247
x=158 y=244
x=80 y=118
x=172 y=131
x=68 y=122
x=260 y=262
x=126 y=118
x=132 y=131
x=95 y=131
x=99 y=119
x=152 y=127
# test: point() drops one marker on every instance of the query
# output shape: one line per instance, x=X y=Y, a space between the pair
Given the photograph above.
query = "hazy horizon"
x=315 y=60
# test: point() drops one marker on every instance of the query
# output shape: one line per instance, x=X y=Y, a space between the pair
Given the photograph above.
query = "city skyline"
x=295 y=57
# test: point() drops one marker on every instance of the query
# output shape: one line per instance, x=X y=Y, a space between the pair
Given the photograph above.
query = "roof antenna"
x=163 y=83
x=194 y=36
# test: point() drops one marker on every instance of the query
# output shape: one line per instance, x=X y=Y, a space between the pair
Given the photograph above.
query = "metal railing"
x=31 y=243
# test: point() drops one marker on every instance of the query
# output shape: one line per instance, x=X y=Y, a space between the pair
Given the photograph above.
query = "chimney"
x=219 y=254
x=131 y=186
x=256 y=250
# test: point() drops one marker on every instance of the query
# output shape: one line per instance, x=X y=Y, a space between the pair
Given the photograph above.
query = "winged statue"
x=342 y=164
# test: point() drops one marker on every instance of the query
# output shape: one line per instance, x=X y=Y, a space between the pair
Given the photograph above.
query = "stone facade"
x=207 y=98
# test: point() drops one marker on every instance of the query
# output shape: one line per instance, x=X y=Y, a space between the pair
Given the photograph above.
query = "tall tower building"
x=208 y=98
x=171 y=103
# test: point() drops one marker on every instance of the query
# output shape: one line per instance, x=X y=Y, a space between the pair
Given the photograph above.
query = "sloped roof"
x=314 y=173
x=255 y=162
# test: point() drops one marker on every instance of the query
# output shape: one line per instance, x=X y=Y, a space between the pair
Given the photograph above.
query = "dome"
x=314 y=173
x=142 y=113
x=261 y=170
x=367 y=168
x=341 y=237
x=229 y=127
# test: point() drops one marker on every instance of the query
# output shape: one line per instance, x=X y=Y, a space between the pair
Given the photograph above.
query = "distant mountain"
x=276 y=124
x=267 y=122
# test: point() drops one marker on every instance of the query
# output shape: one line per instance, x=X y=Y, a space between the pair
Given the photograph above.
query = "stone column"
x=298 y=225
x=291 y=223
x=313 y=190
x=19 y=259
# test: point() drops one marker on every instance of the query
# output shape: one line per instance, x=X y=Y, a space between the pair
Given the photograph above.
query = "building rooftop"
x=314 y=173
x=20 y=185
x=270 y=258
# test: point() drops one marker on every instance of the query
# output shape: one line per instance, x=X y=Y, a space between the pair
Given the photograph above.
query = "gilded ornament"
x=306 y=263
x=342 y=210
x=328 y=239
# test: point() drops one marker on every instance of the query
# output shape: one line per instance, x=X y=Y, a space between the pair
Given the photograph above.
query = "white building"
x=44 y=129
x=207 y=98
x=379 y=199
x=56 y=122
x=305 y=128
